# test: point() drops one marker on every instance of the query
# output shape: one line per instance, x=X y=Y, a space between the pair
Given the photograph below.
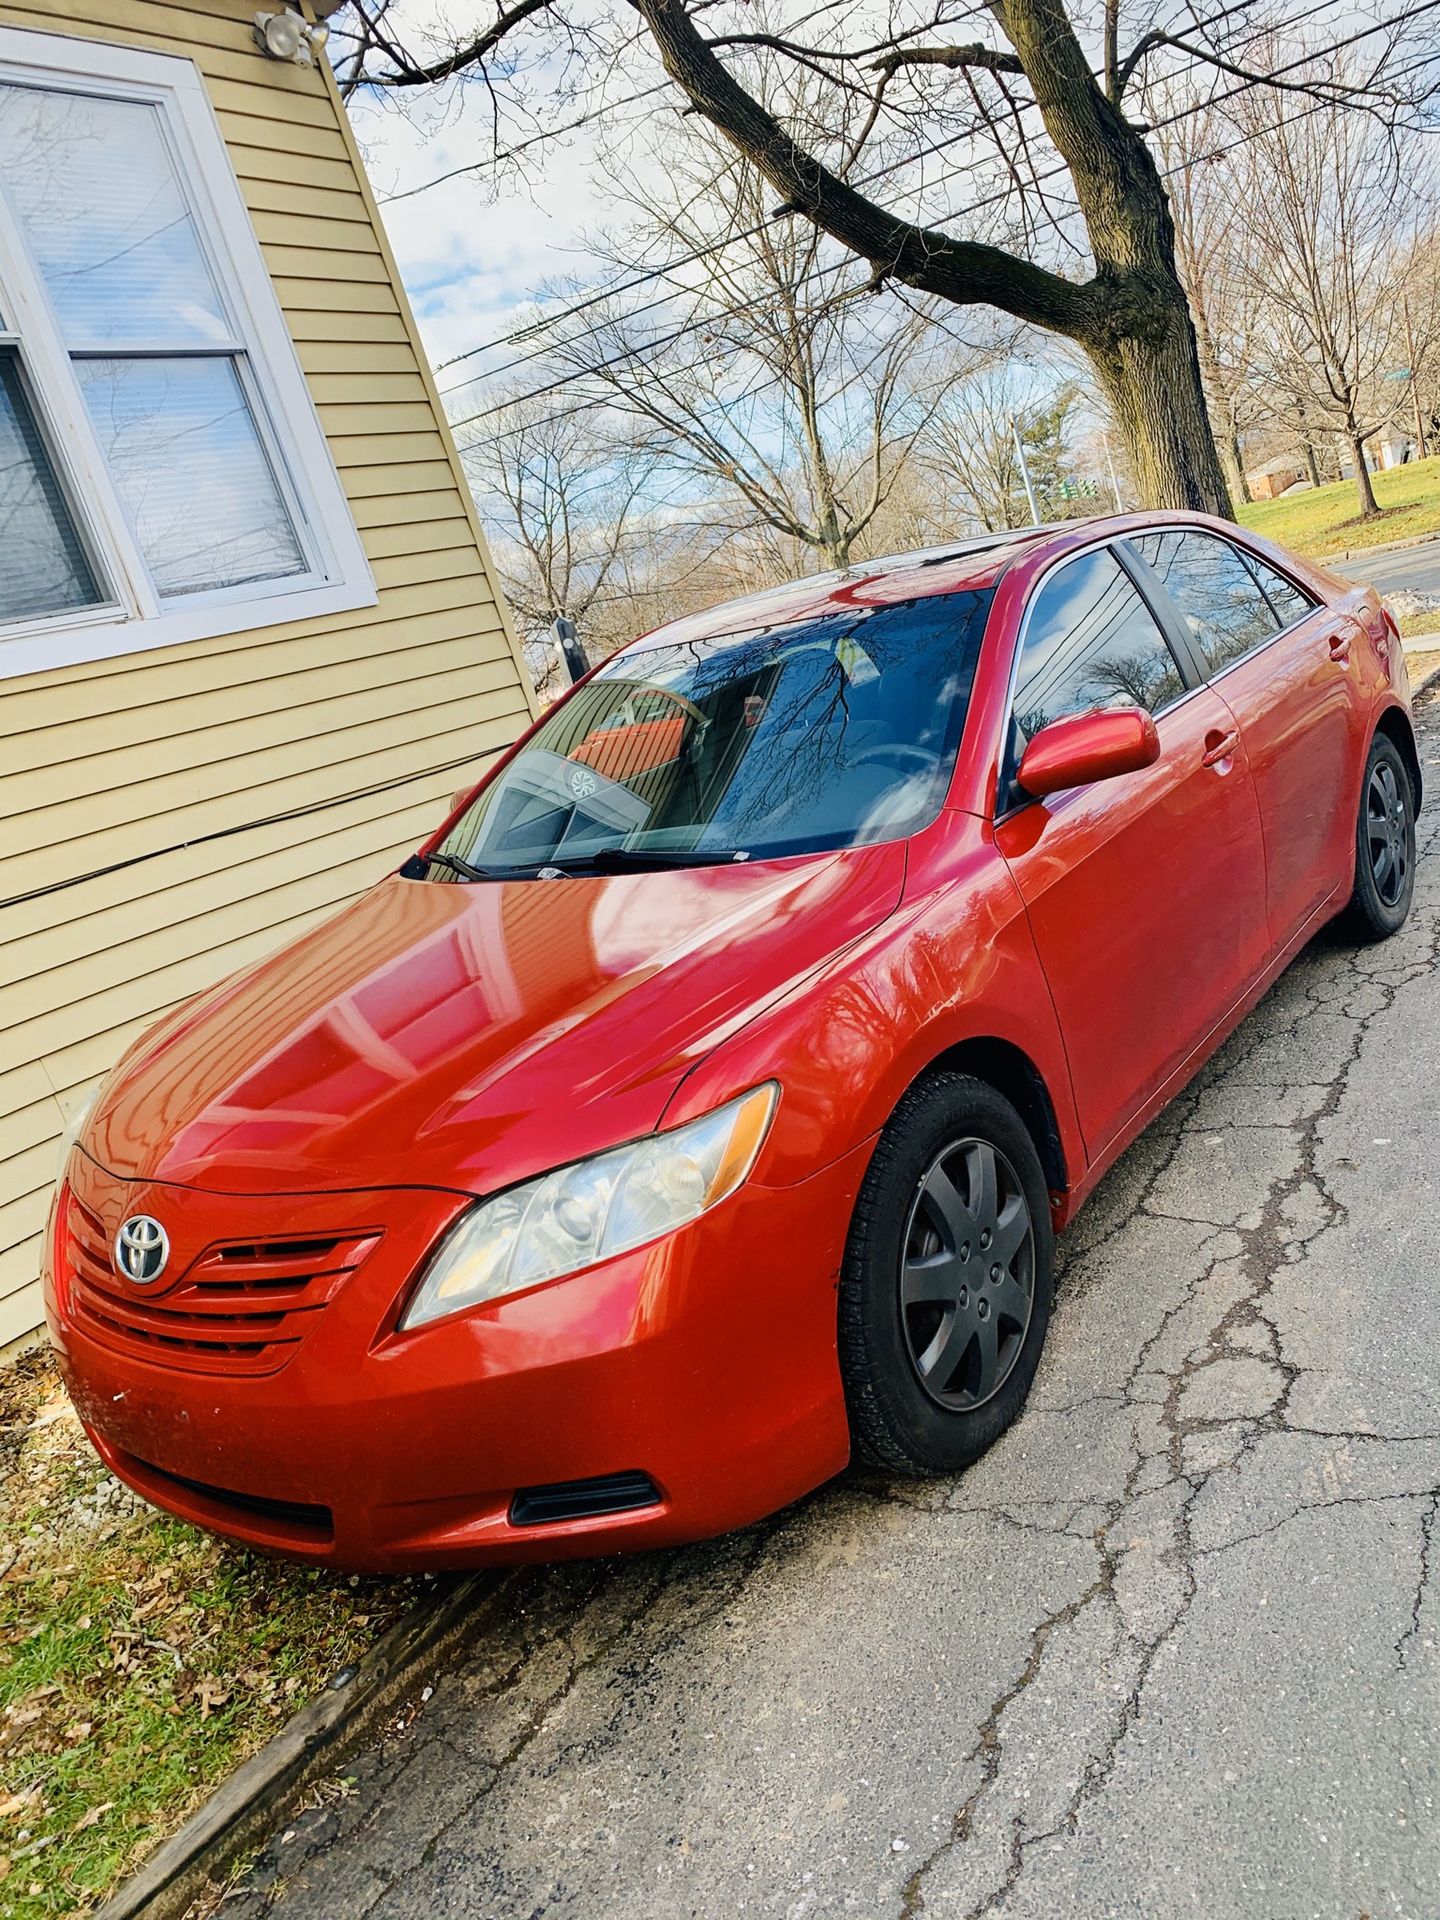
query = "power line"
x=700 y=322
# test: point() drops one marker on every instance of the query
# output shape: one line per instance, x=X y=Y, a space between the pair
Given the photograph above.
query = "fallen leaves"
x=211 y=1693
x=140 y=1659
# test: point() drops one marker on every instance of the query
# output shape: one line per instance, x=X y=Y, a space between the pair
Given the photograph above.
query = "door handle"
x=1340 y=646
x=1220 y=744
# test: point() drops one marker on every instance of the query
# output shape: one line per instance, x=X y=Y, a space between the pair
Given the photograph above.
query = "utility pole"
x=1421 y=451
x=1024 y=472
x=1110 y=463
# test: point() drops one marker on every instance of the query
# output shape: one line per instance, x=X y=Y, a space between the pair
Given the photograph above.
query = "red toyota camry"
x=697 y=1107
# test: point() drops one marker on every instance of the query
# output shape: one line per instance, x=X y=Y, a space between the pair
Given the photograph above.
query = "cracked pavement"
x=1171 y=1648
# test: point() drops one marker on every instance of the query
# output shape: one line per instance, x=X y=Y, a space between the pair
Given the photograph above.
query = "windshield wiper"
x=646 y=859
x=415 y=867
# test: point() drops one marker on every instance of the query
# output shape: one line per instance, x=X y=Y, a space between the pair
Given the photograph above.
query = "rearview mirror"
x=1085 y=747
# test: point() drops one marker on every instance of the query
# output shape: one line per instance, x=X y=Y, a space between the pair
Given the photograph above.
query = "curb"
x=1381 y=546
x=239 y=1811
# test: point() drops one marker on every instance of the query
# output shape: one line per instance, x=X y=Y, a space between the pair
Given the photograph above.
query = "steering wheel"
x=920 y=757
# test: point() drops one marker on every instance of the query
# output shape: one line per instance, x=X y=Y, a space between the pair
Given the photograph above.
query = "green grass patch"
x=140 y=1660
x=1321 y=520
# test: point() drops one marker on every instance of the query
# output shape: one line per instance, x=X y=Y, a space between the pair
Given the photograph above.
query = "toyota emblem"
x=142 y=1247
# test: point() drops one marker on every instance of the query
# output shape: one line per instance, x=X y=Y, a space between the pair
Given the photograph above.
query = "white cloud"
x=472 y=259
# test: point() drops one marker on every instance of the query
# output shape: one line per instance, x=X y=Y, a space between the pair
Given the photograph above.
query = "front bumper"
x=706 y=1361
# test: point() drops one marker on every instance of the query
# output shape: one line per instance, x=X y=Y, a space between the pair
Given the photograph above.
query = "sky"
x=473 y=260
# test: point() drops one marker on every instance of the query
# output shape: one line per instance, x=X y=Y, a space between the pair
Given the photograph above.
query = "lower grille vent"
x=315 y=1521
x=583 y=1499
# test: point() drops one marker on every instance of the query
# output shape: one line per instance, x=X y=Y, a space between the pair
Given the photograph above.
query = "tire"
x=1384 y=846
x=914 y=1372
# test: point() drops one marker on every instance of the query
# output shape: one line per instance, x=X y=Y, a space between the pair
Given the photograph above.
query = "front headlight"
x=74 y=1127
x=592 y=1209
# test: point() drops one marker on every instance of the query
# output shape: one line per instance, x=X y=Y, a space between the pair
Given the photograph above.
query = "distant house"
x=1275 y=477
x=250 y=637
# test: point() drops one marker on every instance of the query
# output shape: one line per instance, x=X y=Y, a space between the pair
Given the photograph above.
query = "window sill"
x=43 y=648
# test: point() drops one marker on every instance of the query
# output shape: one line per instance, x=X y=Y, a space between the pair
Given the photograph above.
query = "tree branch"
x=962 y=271
x=409 y=74
x=991 y=59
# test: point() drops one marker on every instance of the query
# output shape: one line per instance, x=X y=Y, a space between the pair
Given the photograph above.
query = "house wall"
x=123 y=760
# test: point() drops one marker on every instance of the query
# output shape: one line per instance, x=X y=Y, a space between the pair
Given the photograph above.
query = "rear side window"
x=1290 y=602
x=1090 y=641
x=1216 y=593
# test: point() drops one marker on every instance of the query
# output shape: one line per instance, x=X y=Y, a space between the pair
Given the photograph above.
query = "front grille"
x=241 y=1307
x=583 y=1499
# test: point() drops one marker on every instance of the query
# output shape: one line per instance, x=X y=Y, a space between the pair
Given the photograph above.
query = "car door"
x=1281 y=662
x=1146 y=893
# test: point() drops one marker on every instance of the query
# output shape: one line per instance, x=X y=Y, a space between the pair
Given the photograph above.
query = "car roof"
x=957 y=567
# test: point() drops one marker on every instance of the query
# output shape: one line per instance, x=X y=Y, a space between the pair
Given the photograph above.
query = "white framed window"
x=163 y=473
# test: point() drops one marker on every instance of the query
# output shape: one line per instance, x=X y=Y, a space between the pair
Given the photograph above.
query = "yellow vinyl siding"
x=119 y=760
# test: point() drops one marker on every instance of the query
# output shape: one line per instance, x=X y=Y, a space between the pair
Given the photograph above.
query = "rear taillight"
x=1389 y=631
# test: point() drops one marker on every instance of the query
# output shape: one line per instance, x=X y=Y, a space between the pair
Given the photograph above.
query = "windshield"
x=831 y=732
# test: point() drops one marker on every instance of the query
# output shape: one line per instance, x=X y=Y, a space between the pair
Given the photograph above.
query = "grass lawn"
x=140 y=1660
x=1321 y=520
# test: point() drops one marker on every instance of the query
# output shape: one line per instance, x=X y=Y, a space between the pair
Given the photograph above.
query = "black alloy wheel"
x=967 y=1274
x=1384 y=845
x=946 y=1284
x=1387 y=831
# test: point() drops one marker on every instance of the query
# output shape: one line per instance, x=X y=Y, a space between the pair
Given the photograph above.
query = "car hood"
x=466 y=1036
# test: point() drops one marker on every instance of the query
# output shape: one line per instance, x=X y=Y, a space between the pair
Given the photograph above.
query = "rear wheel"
x=946 y=1288
x=1384 y=845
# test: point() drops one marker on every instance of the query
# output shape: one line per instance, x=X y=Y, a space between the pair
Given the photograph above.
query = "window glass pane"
x=42 y=564
x=1213 y=588
x=828 y=733
x=1289 y=602
x=189 y=465
x=1090 y=641
x=95 y=190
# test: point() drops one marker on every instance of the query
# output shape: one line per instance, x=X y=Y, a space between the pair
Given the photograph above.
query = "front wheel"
x=946 y=1288
x=1384 y=845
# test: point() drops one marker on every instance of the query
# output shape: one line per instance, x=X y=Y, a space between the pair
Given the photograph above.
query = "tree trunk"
x=1152 y=381
x=1369 y=505
x=1234 y=464
x=1136 y=328
x=1131 y=318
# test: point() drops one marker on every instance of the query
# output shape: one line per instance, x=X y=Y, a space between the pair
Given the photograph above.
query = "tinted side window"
x=1215 y=591
x=1090 y=641
x=1291 y=603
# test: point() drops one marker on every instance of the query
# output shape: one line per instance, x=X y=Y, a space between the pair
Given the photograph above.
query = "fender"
x=926 y=981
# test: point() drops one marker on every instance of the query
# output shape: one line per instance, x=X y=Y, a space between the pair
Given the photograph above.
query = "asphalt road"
x=1416 y=569
x=1170 y=1649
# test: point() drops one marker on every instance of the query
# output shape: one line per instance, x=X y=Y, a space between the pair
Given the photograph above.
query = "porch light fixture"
x=286 y=36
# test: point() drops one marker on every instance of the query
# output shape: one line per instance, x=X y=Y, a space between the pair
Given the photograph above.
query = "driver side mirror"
x=1084 y=747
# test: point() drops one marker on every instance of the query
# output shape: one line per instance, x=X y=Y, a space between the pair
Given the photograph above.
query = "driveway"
x=1411 y=569
x=1170 y=1649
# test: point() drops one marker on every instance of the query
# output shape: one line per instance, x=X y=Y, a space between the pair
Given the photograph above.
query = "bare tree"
x=793 y=393
x=1329 y=199
x=1027 y=92
x=971 y=444
x=562 y=498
